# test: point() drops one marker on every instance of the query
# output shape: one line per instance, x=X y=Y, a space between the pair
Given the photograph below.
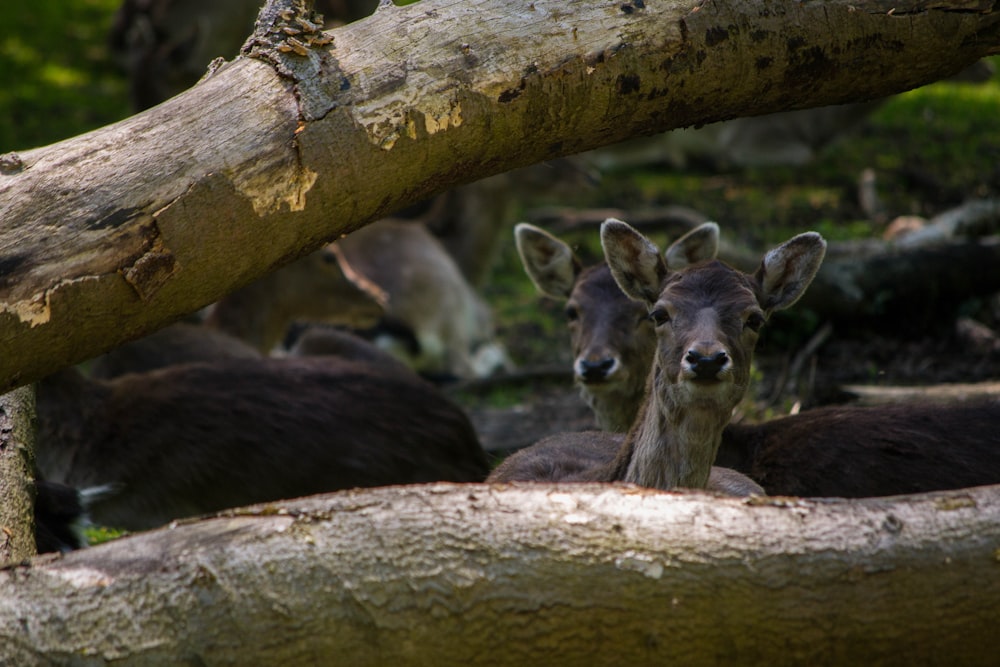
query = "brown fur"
x=594 y=456
x=707 y=316
x=198 y=438
x=858 y=452
x=179 y=343
x=844 y=451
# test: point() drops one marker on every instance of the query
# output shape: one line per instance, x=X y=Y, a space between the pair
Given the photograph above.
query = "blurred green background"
x=56 y=77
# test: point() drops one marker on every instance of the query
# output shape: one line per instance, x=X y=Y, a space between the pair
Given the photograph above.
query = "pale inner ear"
x=787 y=270
x=549 y=262
x=634 y=260
x=698 y=245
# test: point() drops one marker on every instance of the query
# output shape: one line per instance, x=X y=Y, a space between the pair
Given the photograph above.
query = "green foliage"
x=99 y=534
x=930 y=149
x=56 y=78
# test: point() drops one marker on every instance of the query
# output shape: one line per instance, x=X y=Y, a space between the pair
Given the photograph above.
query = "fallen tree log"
x=535 y=574
x=311 y=134
x=939 y=393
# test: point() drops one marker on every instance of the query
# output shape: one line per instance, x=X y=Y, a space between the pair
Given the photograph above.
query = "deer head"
x=707 y=315
x=612 y=337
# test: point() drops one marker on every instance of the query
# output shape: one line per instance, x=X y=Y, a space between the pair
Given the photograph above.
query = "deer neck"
x=673 y=445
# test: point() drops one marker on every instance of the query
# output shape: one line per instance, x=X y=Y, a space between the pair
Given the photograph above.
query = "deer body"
x=842 y=451
x=706 y=316
x=389 y=275
x=178 y=343
x=197 y=438
x=314 y=288
x=861 y=452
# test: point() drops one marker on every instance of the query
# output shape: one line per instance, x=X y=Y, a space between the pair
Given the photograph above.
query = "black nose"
x=595 y=370
x=706 y=367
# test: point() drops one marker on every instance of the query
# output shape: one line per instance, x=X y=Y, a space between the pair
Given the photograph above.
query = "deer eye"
x=754 y=322
x=572 y=314
x=659 y=316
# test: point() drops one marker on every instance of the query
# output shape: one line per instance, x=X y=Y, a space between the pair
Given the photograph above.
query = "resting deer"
x=178 y=343
x=707 y=316
x=861 y=452
x=386 y=276
x=612 y=336
x=315 y=288
x=845 y=451
x=196 y=438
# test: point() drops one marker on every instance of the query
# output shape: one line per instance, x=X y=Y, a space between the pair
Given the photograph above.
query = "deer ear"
x=697 y=245
x=337 y=259
x=788 y=270
x=550 y=263
x=634 y=260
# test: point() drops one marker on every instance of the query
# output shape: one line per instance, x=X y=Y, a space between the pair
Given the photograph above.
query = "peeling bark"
x=311 y=134
x=534 y=574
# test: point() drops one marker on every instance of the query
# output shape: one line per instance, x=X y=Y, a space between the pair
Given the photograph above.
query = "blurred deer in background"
x=391 y=281
x=426 y=291
x=707 y=317
x=315 y=288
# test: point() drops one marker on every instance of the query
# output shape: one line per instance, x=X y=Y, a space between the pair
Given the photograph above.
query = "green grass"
x=100 y=534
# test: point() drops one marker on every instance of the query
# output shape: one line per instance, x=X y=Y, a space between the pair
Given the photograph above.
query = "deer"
x=611 y=335
x=388 y=277
x=181 y=342
x=392 y=282
x=835 y=451
x=314 y=288
x=707 y=317
x=852 y=451
x=195 y=438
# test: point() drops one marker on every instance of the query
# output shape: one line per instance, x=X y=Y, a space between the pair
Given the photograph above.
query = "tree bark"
x=306 y=136
x=532 y=574
x=17 y=458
